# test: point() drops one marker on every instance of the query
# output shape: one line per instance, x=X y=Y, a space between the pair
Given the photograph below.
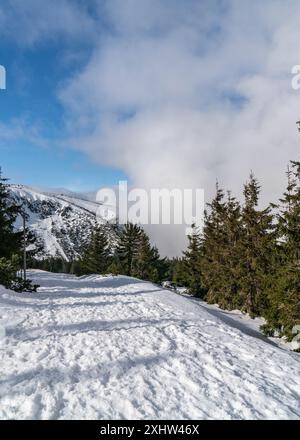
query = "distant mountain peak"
x=61 y=221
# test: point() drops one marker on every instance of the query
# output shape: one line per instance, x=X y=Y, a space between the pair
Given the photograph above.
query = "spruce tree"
x=284 y=292
x=257 y=245
x=192 y=263
x=128 y=247
x=213 y=240
x=96 y=256
x=221 y=251
x=146 y=256
x=231 y=247
x=10 y=240
x=143 y=257
x=160 y=265
x=176 y=271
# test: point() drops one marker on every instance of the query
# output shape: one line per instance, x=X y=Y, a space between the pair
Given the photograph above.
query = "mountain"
x=61 y=220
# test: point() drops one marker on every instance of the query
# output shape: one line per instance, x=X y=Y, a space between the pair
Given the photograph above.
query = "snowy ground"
x=116 y=347
x=243 y=321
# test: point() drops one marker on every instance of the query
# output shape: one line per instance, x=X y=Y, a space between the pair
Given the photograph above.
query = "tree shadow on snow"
x=102 y=371
x=111 y=282
x=224 y=316
x=69 y=294
x=87 y=326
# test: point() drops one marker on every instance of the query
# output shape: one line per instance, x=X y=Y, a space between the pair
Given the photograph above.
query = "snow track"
x=116 y=347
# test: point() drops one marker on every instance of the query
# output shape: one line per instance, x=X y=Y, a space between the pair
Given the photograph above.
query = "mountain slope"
x=61 y=222
x=116 y=347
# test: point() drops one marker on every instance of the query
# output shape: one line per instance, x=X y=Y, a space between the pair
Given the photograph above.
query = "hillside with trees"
x=248 y=258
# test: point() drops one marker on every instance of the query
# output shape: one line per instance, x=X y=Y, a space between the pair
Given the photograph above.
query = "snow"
x=242 y=321
x=61 y=222
x=120 y=348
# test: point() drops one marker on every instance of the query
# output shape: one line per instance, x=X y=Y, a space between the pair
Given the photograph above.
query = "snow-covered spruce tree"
x=284 y=292
x=96 y=256
x=192 y=263
x=256 y=250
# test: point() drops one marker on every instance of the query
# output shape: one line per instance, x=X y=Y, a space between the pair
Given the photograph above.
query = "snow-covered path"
x=116 y=347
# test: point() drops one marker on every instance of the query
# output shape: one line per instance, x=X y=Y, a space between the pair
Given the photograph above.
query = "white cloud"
x=160 y=93
x=23 y=129
x=180 y=93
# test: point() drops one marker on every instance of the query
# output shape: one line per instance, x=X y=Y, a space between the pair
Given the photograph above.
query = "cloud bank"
x=178 y=93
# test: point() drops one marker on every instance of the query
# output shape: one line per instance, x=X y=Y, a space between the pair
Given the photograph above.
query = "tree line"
x=132 y=255
x=248 y=258
x=245 y=258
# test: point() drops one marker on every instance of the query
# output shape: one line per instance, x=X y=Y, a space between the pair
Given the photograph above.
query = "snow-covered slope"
x=61 y=221
x=117 y=347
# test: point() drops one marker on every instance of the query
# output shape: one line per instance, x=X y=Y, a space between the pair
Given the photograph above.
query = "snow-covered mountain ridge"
x=61 y=221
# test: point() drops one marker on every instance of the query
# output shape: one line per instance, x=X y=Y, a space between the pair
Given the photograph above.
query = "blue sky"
x=35 y=72
x=166 y=93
